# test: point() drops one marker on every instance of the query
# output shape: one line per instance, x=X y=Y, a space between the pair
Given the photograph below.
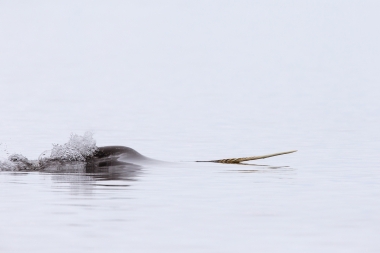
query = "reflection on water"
x=260 y=168
x=100 y=171
x=267 y=170
x=84 y=176
x=82 y=172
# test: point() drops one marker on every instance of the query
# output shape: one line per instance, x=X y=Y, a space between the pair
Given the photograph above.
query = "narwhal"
x=128 y=154
x=82 y=150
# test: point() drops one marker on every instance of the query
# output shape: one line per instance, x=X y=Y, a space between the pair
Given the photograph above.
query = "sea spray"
x=78 y=148
x=17 y=162
x=6 y=165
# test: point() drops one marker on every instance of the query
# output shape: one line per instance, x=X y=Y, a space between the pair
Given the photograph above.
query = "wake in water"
x=77 y=149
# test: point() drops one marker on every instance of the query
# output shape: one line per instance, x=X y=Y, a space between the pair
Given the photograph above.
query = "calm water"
x=193 y=81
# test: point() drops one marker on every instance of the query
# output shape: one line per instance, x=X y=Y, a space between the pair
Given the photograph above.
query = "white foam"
x=16 y=162
x=18 y=158
x=6 y=165
x=78 y=148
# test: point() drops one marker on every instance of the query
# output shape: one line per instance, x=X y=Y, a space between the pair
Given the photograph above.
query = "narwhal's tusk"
x=244 y=159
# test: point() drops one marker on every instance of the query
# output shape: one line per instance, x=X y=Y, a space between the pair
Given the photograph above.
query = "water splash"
x=7 y=165
x=17 y=162
x=77 y=149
